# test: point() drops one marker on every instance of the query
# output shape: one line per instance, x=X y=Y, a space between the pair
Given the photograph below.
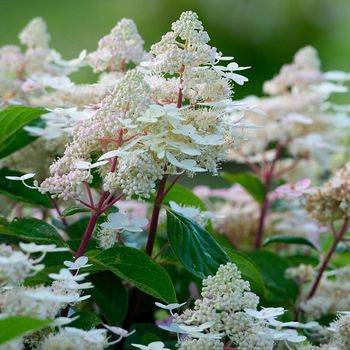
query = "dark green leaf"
x=77 y=229
x=18 y=192
x=12 y=121
x=31 y=230
x=111 y=297
x=194 y=247
x=14 y=326
x=248 y=270
x=285 y=239
x=137 y=267
x=74 y=209
x=250 y=182
x=87 y=320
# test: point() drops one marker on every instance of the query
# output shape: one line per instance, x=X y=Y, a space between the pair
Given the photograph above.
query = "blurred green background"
x=261 y=33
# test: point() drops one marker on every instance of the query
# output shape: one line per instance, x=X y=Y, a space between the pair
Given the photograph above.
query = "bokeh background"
x=263 y=34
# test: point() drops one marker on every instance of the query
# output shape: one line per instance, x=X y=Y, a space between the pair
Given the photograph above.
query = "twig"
x=337 y=238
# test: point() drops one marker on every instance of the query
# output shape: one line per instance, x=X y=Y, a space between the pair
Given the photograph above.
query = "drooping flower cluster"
x=171 y=116
x=331 y=202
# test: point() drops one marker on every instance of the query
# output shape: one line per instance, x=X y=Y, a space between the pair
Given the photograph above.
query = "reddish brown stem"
x=267 y=177
x=337 y=238
x=88 y=191
x=155 y=216
x=88 y=233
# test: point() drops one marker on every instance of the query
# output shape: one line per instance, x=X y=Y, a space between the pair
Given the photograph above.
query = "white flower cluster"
x=41 y=301
x=15 y=266
x=123 y=45
x=26 y=75
x=39 y=77
x=225 y=297
x=118 y=223
x=73 y=338
x=154 y=123
x=332 y=293
x=339 y=337
x=298 y=112
x=45 y=302
x=226 y=316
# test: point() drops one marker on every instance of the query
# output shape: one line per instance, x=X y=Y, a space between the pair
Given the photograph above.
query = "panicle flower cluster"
x=165 y=118
x=225 y=296
x=40 y=302
x=46 y=302
x=39 y=77
x=340 y=335
x=298 y=113
x=78 y=339
x=15 y=266
x=26 y=75
x=331 y=202
x=332 y=293
x=123 y=45
x=203 y=344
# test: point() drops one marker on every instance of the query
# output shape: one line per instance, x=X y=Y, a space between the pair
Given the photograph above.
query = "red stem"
x=88 y=233
x=267 y=177
x=155 y=216
x=88 y=191
x=337 y=238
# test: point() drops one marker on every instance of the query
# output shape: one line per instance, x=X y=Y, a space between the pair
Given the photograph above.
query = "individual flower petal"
x=266 y=313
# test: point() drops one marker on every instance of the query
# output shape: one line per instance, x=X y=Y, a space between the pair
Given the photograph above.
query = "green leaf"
x=12 y=121
x=250 y=182
x=14 y=326
x=31 y=230
x=183 y=196
x=111 y=297
x=87 y=320
x=285 y=239
x=194 y=247
x=76 y=230
x=280 y=289
x=18 y=192
x=248 y=270
x=74 y=209
x=137 y=267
